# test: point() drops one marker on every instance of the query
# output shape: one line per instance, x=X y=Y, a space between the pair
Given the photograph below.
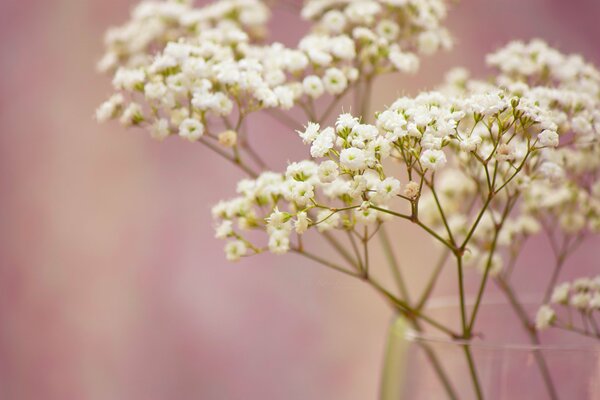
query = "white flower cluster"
x=352 y=184
x=388 y=34
x=153 y=24
x=179 y=69
x=582 y=295
x=569 y=88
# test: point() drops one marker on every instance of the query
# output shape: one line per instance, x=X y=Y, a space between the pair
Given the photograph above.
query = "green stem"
x=393 y=263
x=473 y=372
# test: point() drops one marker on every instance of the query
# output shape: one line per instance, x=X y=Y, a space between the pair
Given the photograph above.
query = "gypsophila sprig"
x=479 y=166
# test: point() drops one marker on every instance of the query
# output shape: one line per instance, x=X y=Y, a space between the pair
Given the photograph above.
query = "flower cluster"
x=354 y=180
x=184 y=70
x=388 y=34
x=153 y=24
x=581 y=295
x=568 y=88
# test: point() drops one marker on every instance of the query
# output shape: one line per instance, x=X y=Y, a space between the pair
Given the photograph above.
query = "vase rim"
x=451 y=301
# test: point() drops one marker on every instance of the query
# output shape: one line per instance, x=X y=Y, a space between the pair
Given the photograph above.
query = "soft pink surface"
x=111 y=284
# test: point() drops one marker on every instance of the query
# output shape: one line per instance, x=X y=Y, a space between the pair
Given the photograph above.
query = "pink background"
x=111 y=284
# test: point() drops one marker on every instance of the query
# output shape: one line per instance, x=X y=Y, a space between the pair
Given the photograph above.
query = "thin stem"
x=323 y=262
x=229 y=158
x=473 y=372
x=531 y=332
x=393 y=263
x=365 y=241
x=509 y=204
x=461 y=292
x=433 y=279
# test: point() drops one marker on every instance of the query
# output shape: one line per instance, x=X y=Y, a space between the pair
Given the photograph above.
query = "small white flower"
x=328 y=171
x=333 y=21
x=313 y=86
x=310 y=132
x=433 y=159
x=132 y=115
x=302 y=222
x=155 y=90
x=352 y=158
x=560 y=295
x=323 y=143
x=429 y=42
x=334 y=81
x=581 y=300
x=160 y=129
x=279 y=242
x=224 y=230
x=345 y=121
x=471 y=143
x=544 y=317
x=551 y=171
x=388 y=188
x=548 y=138
x=191 y=129
x=110 y=108
x=234 y=250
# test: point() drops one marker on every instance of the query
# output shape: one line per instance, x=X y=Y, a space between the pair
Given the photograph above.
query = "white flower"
x=191 y=129
x=544 y=317
x=352 y=158
x=429 y=42
x=433 y=159
x=313 y=86
x=302 y=222
x=279 y=242
x=334 y=81
x=224 y=230
x=302 y=192
x=155 y=90
x=388 y=188
x=404 y=62
x=471 y=143
x=560 y=295
x=323 y=143
x=345 y=121
x=333 y=21
x=110 y=108
x=581 y=300
x=551 y=171
x=548 y=138
x=160 y=129
x=234 y=250
x=388 y=29
x=132 y=115
x=310 y=132
x=328 y=171
x=278 y=221
x=365 y=215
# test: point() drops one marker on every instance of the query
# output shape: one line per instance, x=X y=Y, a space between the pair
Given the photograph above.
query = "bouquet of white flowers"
x=479 y=165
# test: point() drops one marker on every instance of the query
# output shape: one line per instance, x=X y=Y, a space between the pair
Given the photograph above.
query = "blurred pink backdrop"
x=111 y=284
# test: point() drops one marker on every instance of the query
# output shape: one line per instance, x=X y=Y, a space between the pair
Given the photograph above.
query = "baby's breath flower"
x=234 y=250
x=433 y=159
x=544 y=318
x=228 y=138
x=191 y=129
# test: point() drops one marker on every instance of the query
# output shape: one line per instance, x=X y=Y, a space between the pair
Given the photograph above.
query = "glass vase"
x=505 y=360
